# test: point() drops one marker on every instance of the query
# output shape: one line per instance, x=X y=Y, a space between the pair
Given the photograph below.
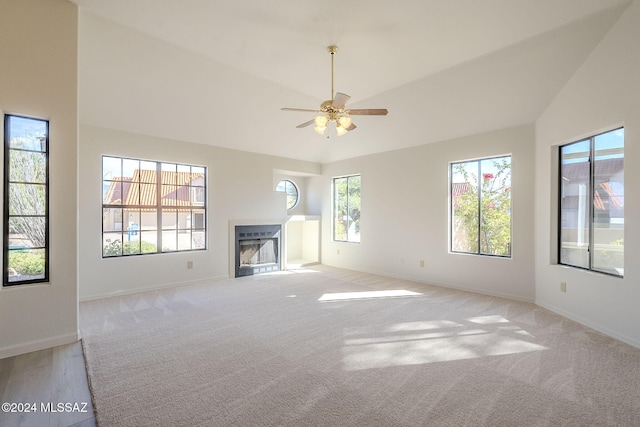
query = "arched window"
x=291 y=189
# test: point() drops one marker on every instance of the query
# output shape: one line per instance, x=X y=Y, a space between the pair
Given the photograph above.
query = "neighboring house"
x=608 y=193
x=459 y=238
x=133 y=202
x=607 y=213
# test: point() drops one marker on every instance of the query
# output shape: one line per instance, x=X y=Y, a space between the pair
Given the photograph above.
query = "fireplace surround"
x=257 y=249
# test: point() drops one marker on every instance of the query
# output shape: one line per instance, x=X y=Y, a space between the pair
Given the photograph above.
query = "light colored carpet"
x=319 y=347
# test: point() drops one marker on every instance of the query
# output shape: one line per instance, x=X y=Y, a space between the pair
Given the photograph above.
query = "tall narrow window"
x=150 y=207
x=592 y=203
x=26 y=200
x=346 y=209
x=481 y=206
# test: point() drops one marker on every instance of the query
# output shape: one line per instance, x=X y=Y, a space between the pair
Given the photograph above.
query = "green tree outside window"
x=481 y=207
x=346 y=208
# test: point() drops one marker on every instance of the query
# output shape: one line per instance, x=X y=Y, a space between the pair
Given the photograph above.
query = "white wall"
x=240 y=187
x=602 y=95
x=405 y=216
x=38 y=77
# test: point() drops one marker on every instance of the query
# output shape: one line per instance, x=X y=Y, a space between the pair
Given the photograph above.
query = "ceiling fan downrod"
x=332 y=50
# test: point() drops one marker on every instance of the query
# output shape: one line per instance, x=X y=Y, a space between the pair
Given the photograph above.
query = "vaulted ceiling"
x=217 y=73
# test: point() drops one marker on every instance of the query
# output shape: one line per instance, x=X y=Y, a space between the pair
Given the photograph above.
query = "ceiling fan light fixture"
x=321 y=121
x=340 y=130
x=345 y=121
x=320 y=129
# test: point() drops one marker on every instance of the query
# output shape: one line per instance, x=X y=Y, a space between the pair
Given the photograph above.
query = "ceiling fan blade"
x=301 y=109
x=340 y=100
x=305 y=124
x=368 y=112
x=351 y=127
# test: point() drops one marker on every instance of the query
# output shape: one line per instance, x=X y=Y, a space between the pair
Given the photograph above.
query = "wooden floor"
x=52 y=383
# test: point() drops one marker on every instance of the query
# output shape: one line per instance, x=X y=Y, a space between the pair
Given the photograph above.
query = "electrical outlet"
x=563 y=286
x=189 y=264
x=337 y=251
x=421 y=263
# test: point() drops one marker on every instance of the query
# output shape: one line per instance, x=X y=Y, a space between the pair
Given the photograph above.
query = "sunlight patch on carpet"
x=415 y=343
x=342 y=296
x=422 y=351
x=422 y=325
x=485 y=320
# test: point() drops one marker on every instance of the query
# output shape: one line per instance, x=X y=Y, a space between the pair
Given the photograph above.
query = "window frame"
x=197 y=205
x=334 y=207
x=479 y=207
x=286 y=182
x=590 y=202
x=6 y=199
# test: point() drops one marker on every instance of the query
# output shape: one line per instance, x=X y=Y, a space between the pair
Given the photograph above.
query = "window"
x=26 y=200
x=151 y=207
x=292 y=192
x=346 y=209
x=481 y=206
x=592 y=203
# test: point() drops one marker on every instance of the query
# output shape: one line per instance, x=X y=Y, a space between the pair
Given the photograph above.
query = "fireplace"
x=257 y=249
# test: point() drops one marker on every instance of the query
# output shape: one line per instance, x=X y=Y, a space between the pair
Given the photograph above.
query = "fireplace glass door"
x=258 y=252
x=257 y=249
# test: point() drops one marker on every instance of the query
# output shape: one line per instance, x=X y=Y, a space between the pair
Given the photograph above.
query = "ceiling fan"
x=334 y=110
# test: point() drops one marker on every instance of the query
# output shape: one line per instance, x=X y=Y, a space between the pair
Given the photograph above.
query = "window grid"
x=26 y=200
x=152 y=207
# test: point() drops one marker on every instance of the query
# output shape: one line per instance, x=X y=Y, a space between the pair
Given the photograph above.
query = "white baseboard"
x=476 y=291
x=613 y=334
x=28 y=347
x=152 y=288
x=443 y=285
